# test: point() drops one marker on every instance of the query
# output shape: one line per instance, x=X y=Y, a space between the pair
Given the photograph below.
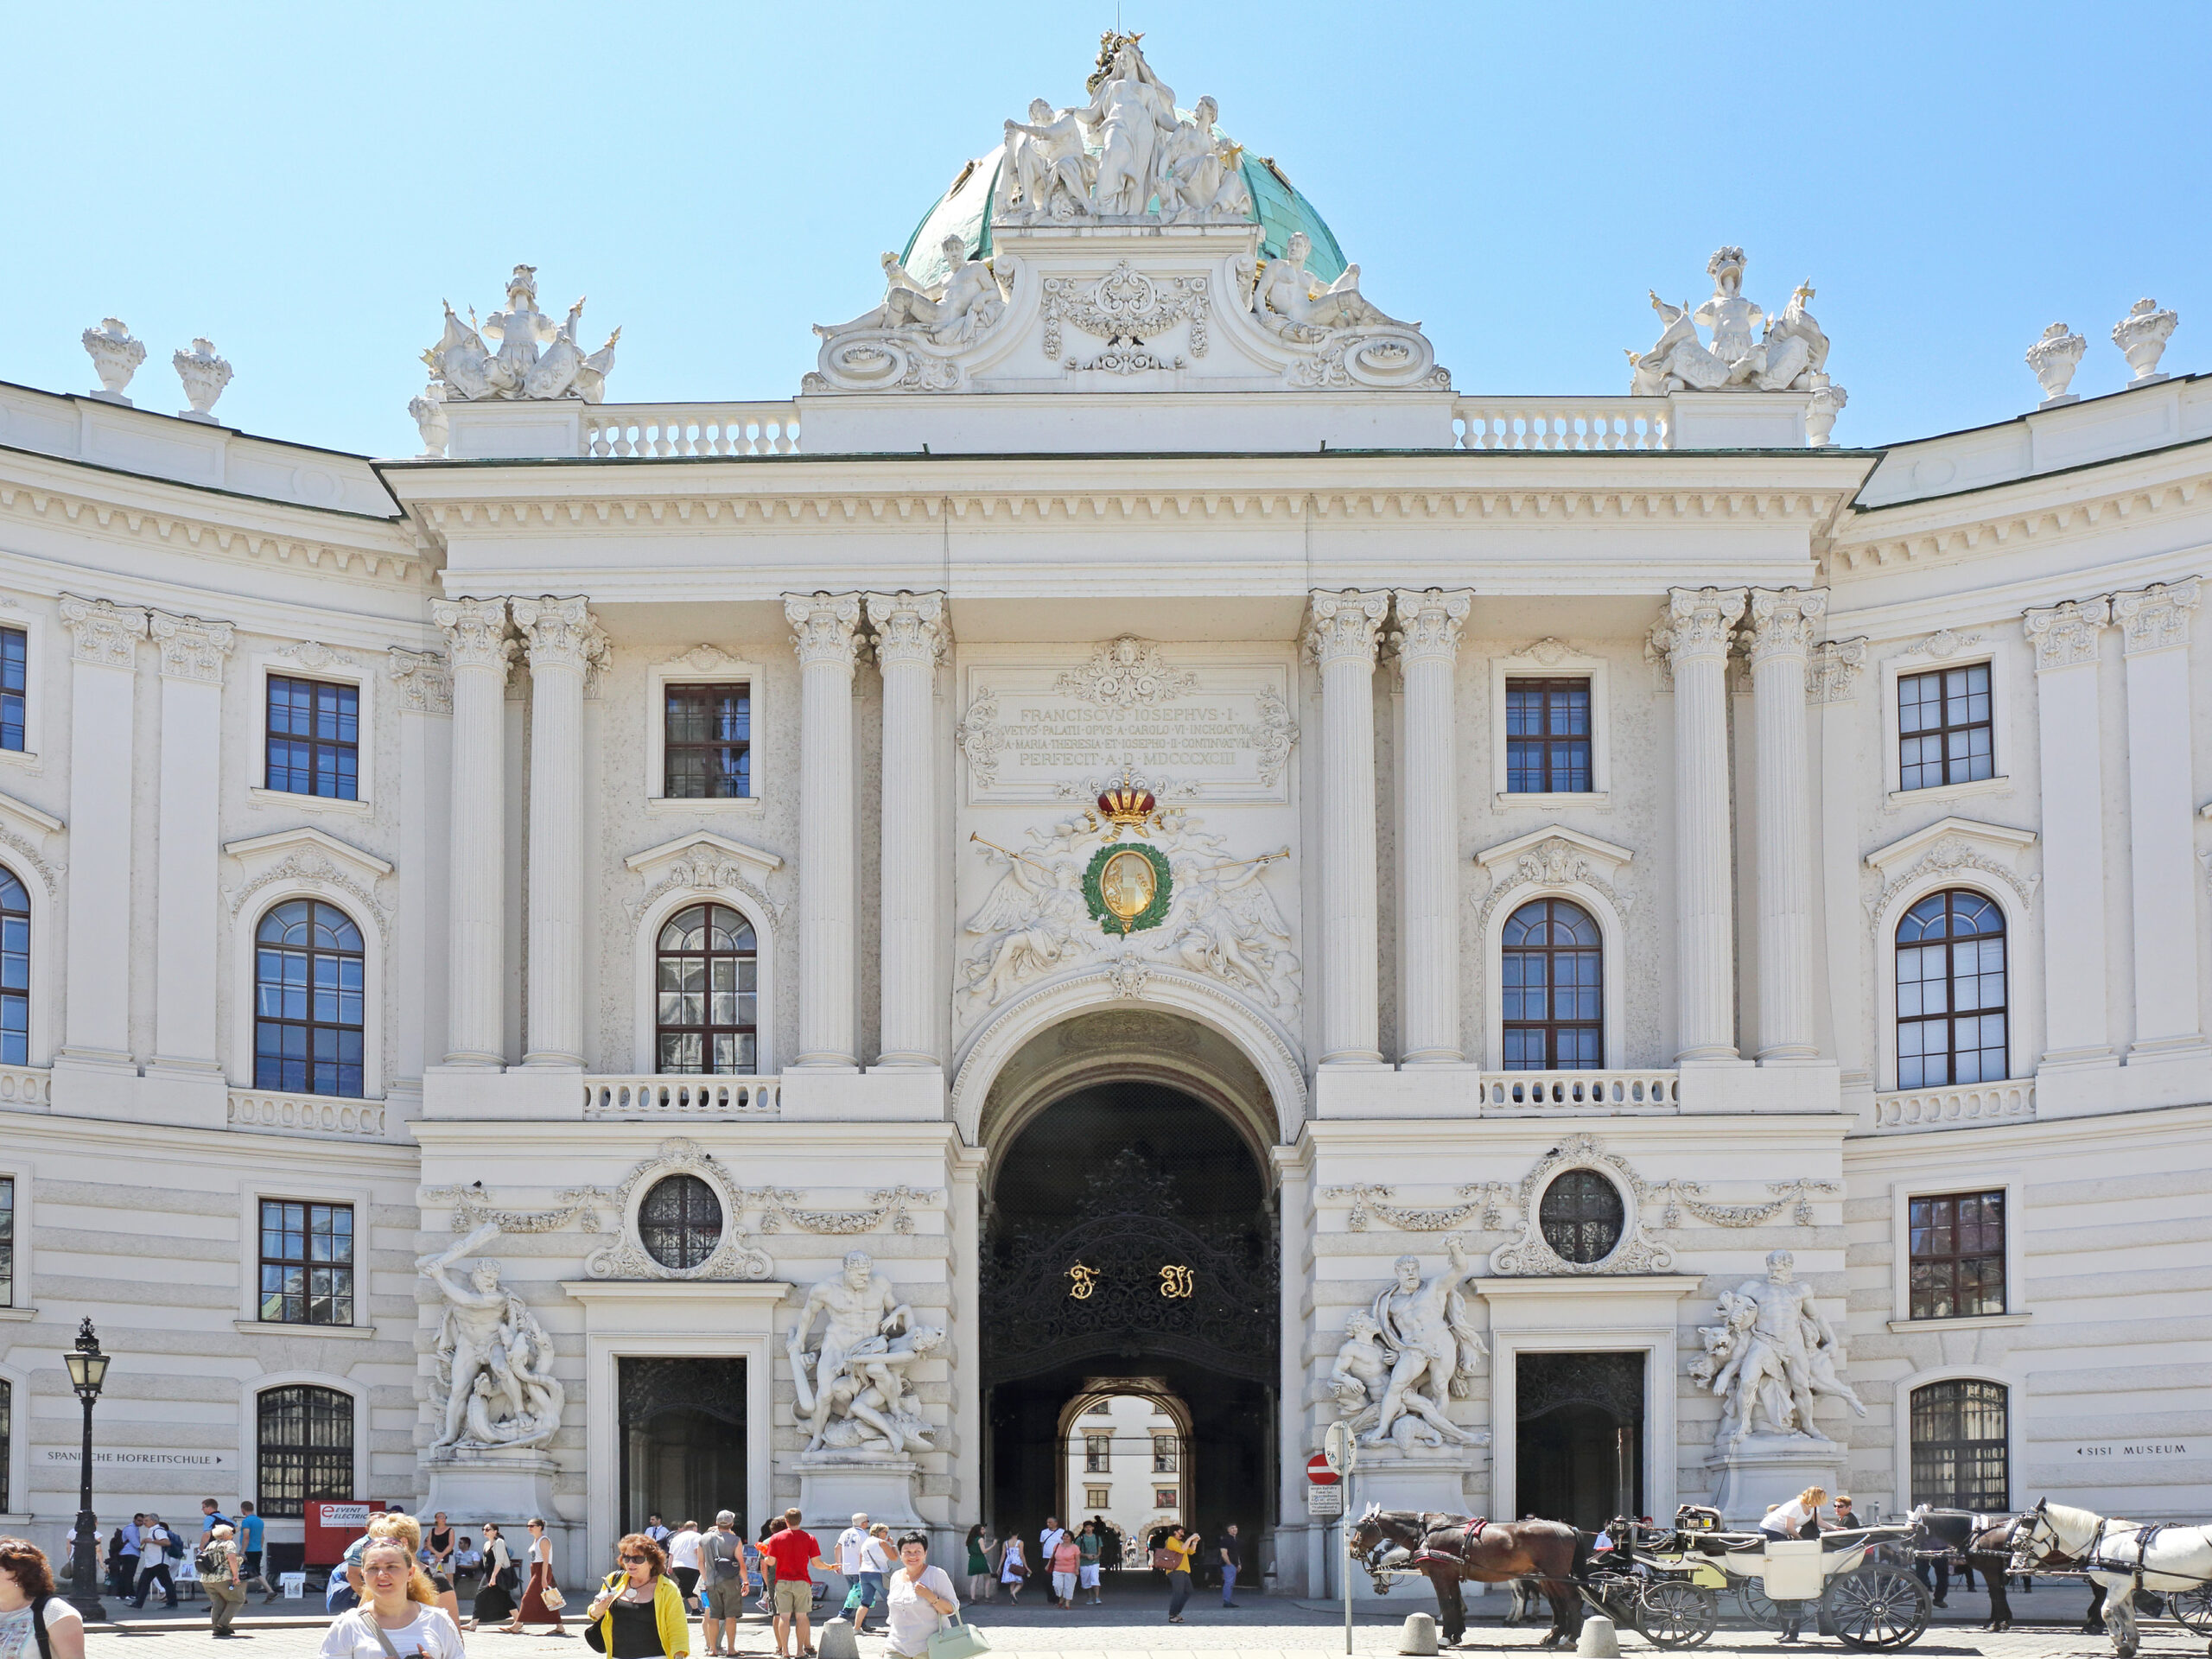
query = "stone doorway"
x=682 y=1431
x=1579 y=1449
x=1131 y=1249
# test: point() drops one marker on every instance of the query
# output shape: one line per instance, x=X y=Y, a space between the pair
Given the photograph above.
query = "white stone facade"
x=1292 y=602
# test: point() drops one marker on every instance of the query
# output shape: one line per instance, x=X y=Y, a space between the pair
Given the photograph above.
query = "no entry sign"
x=1318 y=1470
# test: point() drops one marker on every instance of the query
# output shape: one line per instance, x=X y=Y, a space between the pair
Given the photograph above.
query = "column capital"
x=1783 y=620
x=476 y=631
x=1696 y=623
x=1429 y=622
x=2155 y=617
x=424 y=683
x=826 y=624
x=1345 y=624
x=2065 y=634
x=102 y=632
x=193 y=648
x=909 y=627
x=563 y=632
x=1832 y=674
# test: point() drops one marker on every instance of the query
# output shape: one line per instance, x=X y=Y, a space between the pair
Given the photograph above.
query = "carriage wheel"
x=1758 y=1607
x=1673 y=1614
x=2193 y=1608
x=1877 y=1607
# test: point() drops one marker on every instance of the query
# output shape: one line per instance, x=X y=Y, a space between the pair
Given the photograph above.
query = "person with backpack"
x=724 y=1579
x=33 y=1618
x=158 y=1546
x=218 y=1562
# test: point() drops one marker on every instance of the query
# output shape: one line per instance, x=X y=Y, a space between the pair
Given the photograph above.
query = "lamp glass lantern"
x=87 y=1369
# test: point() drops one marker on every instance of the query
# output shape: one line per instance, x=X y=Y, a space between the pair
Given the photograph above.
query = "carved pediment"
x=1947 y=847
x=24 y=830
x=702 y=860
x=310 y=858
x=1555 y=857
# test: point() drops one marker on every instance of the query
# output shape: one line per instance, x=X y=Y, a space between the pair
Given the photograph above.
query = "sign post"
x=1340 y=1453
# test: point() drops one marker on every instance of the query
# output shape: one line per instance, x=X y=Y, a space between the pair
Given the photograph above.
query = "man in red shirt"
x=794 y=1551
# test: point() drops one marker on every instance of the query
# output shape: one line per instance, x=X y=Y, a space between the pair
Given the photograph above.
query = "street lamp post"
x=87 y=1374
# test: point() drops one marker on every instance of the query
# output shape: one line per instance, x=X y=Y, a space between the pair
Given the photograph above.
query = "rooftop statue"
x=1293 y=304
x=1052 y=171
x=1131 y=112
x=471 y=372
x=1748 y=351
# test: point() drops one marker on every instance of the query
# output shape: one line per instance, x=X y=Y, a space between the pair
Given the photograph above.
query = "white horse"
x=2124 y=1556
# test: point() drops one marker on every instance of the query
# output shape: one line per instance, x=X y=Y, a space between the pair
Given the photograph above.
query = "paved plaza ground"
x=1133 y=1622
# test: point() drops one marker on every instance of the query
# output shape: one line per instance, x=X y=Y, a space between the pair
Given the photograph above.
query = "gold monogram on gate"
x=1177 y=1281
x=1086 y=1280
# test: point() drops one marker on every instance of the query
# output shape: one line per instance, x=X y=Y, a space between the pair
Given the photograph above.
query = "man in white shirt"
x=683 y=1561
x=851 y=1542
x=1049 y=1538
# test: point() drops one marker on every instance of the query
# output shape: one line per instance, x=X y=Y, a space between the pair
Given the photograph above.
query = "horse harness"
x=1448 y=1546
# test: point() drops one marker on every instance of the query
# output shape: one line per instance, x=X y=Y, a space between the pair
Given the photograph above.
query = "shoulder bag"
x=369 y=1618
x=956 y=1640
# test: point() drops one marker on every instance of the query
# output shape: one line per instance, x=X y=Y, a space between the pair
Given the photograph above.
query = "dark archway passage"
x=1131 y=1233
x=1580 y=1433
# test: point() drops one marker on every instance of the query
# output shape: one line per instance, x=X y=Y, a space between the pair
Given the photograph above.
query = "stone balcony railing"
x=1505 y=1093
x=689 y=1098
x=337 y=1115
x=1942 y=1108
x=658 y=430
x=26 y=1088
x=1562 y=423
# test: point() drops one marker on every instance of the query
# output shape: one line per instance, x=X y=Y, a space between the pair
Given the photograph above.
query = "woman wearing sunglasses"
x=639 y=1612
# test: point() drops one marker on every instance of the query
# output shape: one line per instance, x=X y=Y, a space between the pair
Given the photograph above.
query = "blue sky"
x=304 y=184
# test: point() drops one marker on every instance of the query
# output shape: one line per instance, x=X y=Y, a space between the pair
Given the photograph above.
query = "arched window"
x=307 y=976
x=1552 y=972
x=1581 y=1216
x=705 y=993
x=1951 y=991
x=680 y=1221
x=1959 y=1446
x=305 y=1440
x=15 y=971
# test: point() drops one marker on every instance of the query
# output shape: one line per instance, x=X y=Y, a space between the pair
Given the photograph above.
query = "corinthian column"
x=1341 y=631
x=2154 y=633
x=1783 y=624
x=479 y=649
x=1696 y=630
x=910 y=641
x=1428 y=996
x=2070 y=739
x=564 y=639
x=824 y=624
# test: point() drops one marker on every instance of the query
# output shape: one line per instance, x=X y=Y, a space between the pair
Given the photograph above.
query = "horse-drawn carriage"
x=2124 y=1559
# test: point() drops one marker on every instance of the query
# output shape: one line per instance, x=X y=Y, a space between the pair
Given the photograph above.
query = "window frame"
x=311 y=1024
x=2002 y=740
x=262 y=857
x=722 y=1219
x=652 y=866
x=1898 y=1019
x=1908 y=1393
x=1582 y=1174
x=1955 y=1257
x=673 y=688
x=1098 y=1453
x=8 y=1236
x=708 y=1029
x=256 y=1392
x=1557 y=661
x=330 y=668
x=1550 y=1025
x=261 y=1261
x=703 y=664
x=1942 y=731
x=1167 y=1461
x=1546 y=687
x=1606 y=864
x=317 y=745
x=2017 y=1302
x=32 y=625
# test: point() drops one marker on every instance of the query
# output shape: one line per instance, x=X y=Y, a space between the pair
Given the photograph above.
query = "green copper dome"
x=965 y=210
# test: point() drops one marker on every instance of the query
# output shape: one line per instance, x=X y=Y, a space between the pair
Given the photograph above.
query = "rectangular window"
x=1943 y=728
x=7 y=1250
x=1547 y=737
x=1960 y=1457
x=1097 y=1453
x=1098 y=1498
x=306 y=1262
x=1957 y=1255
x=707 y=742
x=1163 y=1497
x=305 y=1443
x=315 y=738
x=1163 y=1454
x=14 y=663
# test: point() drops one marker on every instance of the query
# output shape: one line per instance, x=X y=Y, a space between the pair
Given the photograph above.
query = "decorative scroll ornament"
x=734 y=1257
x=1783 y=620
x=1548 y=652
x=982 y=739
x=192 y=647
x=1125 y=307
x=1675 y=1195
x=102 y=632
x=313 y=868
x=467 y=370
x=1832 y=671
x=2156 y=618
x=1485 y=1200
x=424 y=683
x=1942 y=644
x=707 y=865
x=781 y=1207
x=472 y=1208
x=2065 y=635
x=1126 y=673
x=312 y=653
x=1531 y=1254
x=1558 y=860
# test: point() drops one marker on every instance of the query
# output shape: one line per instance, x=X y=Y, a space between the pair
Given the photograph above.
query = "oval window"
x=1582 y=1215
x=680 y=1222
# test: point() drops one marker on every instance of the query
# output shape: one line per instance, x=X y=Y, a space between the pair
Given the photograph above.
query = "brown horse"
x=1456 y=1550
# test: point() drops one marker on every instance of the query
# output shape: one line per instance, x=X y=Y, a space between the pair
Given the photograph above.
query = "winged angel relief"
x=1217 y=917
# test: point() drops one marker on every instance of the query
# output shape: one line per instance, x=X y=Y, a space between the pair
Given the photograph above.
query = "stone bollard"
x=836 y=1640
x=1599 y=1639
x=1419 y=1635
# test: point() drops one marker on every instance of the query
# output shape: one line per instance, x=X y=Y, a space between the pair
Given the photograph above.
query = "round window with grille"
x=1582 y=1217
x=680 y=1221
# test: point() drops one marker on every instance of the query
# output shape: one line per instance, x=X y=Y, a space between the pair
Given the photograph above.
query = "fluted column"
x=1341 y=631
x=103 y=676
x=2161 y=817
x=1783 y=625
x=910 y=641
x=563 y=641
x=1696 y=629
x=479 y=651
x=825 y=626
x=1428 y=996
x=2079 y=1028
x=187 y=861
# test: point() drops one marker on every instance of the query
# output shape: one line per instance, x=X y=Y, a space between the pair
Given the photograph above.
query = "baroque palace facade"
x=1129 y=838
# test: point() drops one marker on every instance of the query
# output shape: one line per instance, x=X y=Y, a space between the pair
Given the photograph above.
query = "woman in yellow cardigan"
x=639 y=1612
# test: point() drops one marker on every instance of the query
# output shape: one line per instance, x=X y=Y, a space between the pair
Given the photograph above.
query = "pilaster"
x=193 y=652
x=1783 y=625
x=564 y=641
x=479 y=650
x=1341 y=631
x=103 y=667
x=911 y=636
x=424 y=689
x=1429 y=624
x=1694 y=634
x=2076 y=993
x=824 y=635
